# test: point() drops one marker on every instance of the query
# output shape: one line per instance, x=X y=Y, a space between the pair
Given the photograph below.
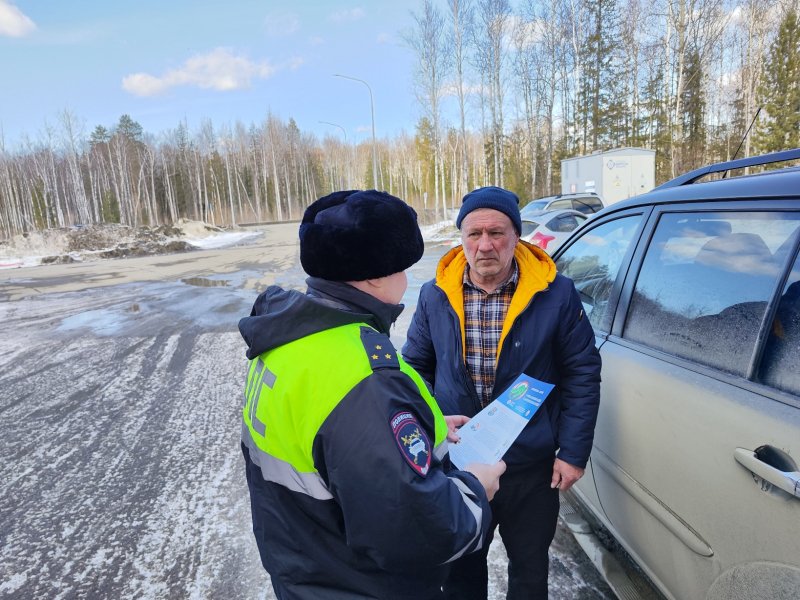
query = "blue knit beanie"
x=495 y=198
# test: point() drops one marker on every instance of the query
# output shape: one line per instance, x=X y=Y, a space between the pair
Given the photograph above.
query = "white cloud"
x=13 y=22
x=220 y=70
x=316 y=40
x=282 y=24
x=348 y=14
x=384 y=38
x=296 y=62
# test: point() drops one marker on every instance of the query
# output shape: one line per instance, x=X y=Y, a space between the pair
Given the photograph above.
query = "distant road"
x=274 y=252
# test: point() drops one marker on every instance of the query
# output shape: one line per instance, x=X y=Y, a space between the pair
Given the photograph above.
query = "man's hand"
x=453 y=423
x=564 y=475
x=488 y=475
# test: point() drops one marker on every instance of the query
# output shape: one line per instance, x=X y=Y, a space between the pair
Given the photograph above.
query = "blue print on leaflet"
x=526 y=395
x=412 y=441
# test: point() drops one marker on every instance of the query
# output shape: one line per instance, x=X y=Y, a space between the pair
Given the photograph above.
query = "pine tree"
x=779 y=91
x=655 y=133
x=100 y=135
x=423 y=144
x=694 y=109
x=600 y=101
x=129 y=128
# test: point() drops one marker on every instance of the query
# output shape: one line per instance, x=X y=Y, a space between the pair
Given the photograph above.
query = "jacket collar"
x=536 y=269
x=536 y=272
x=378 y=314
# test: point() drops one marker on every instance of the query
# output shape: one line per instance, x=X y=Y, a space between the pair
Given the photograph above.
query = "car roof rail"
x=740 y=163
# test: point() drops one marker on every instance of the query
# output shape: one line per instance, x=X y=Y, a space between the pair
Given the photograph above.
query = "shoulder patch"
x=379 y=349
x=412 y=440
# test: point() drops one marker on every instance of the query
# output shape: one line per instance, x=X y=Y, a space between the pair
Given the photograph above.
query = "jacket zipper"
x=527 y=306
x=462 y=371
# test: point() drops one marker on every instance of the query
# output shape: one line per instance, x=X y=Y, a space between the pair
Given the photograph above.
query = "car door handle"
x=788 y=481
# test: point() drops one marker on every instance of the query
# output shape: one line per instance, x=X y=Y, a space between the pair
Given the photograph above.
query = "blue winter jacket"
x=546 y=335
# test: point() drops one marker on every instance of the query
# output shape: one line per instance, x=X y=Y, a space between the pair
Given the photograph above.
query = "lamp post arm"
x=372 y=114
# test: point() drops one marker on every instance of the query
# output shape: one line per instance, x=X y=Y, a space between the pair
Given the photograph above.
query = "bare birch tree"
x=429 y=43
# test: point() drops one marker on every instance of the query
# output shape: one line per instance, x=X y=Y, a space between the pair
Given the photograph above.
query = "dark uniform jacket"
x=348 y=497
x=545 y=335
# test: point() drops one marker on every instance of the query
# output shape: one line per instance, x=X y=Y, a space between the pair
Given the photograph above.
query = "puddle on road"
x=152 y=308
x=155 y=308
x=102 y=322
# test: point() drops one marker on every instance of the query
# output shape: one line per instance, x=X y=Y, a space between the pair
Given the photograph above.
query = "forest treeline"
x=505 y=92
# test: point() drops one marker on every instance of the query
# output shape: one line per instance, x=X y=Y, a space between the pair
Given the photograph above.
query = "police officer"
x=342 y=440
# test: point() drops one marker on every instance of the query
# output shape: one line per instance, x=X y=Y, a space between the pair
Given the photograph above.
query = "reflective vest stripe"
x=281 y=472
x=471 y=502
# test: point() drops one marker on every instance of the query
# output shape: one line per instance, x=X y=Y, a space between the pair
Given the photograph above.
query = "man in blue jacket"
x=341 y=438
x=497 y=308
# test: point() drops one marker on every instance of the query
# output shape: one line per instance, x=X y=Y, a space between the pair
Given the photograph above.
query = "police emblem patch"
x=412 y=441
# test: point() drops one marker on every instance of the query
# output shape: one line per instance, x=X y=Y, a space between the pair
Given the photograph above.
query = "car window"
x=564 y=223
x=705 y=281
x=532 y=207
x=780 y=365
x=528 y=227
x=587 y=205
x=593 y=262
x=560 y=204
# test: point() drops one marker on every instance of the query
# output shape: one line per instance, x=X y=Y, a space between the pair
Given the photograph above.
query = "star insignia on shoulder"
x=379 y=350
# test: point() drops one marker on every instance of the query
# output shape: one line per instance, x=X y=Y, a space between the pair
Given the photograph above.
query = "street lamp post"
x=372 y=112
x=336 y=125
x=349 y=179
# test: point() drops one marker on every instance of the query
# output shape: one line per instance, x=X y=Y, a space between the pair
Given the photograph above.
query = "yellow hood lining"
x=536 y=271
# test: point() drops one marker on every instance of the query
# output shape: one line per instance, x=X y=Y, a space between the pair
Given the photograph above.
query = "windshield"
x=587 y=205
x=534 y=206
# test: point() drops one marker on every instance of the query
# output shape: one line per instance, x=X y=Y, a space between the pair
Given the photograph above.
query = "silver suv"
x=693 y=290
x=588 y=203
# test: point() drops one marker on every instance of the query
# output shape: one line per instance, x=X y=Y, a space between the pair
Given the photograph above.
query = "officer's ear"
x=369 y=286
x=382 y=288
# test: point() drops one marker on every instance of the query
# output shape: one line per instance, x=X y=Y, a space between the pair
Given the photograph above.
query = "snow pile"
x=196 y=229
x=443 y=231
x=92 y=242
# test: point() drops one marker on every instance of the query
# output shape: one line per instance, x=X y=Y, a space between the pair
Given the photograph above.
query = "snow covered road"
x=120 y=390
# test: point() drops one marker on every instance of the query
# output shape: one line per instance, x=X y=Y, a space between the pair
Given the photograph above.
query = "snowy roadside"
x=99 y=242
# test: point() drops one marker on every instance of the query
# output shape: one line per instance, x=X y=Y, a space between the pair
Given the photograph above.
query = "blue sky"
x=227 y=60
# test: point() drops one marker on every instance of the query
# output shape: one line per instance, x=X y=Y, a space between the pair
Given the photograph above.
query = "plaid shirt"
x=483 y=322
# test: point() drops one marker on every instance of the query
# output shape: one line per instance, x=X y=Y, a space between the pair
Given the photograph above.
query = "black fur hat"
x=355 y=235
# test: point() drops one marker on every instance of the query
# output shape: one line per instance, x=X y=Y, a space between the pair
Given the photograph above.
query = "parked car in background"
x=550 y=229
x=693 y=290
x=586 y=203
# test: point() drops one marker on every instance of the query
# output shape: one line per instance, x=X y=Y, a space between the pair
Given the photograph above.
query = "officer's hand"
x=488 y=475
x=453 y=423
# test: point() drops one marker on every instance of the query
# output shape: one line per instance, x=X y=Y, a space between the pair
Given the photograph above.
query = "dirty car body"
x=693 y=291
